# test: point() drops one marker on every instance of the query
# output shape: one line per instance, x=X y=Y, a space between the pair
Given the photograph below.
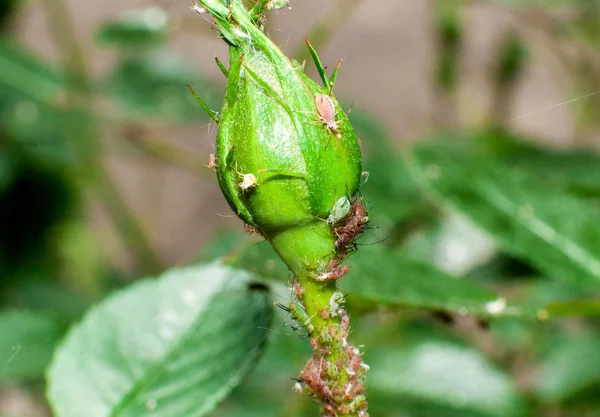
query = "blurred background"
x=103 y=153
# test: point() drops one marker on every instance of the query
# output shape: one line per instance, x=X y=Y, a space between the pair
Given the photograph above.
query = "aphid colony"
x=337 y=383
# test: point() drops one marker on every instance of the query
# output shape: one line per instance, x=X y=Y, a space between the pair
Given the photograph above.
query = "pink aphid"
x=326 y=110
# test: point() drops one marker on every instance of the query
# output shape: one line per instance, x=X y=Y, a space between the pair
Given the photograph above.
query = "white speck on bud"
x=297 y=387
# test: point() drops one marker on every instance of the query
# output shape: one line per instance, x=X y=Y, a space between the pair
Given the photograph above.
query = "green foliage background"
x=477 y=295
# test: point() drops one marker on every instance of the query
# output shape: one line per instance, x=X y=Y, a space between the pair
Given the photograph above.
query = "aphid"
x=354 y=365
x=353 y=225
x=299 y=290
x=332 y=331
x=299 y=313
x=335 y=273
x=313 y=344
x=339 y=211
x=324 y=314
x=211 y=161
x=326 y=110
x=335 y=303
x=248 y=181
x=297 y=387
x=329 y=410
x=345 y=323
x=250 y=229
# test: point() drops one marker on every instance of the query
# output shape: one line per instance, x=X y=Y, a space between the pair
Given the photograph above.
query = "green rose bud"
x=286 y=152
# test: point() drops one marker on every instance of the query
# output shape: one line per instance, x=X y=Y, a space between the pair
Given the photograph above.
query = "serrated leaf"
x=174 y=346
x=27 y=341
x=437 y=372
x=554 y=231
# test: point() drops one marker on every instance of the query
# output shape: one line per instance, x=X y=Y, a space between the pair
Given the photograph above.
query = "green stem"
x=335 y=372
x=92 y=168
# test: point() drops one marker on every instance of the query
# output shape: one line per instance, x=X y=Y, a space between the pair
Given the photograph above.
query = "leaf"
x=571 y=365
x=554 y=231
x=386 y=277
x=24 y=75
x=153 y=85
x=432 y=372
x=174 y=346
x=574 y=170
x=390 y=189
x=135 y=29
x=27 y=342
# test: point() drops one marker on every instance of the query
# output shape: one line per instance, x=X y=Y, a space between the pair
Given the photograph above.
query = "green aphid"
x=300 y=315
x=339 y=211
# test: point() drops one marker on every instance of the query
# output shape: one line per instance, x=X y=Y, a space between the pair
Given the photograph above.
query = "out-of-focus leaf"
x=455 y=246
x=433 y=372
x=268 y=390
x=577 y=171
x=174 y=346
x=25 y=75
x=46 y=295
x=153 y=85
x=386 y=277
x=556 y=232
x=389 y=190
x=225 y=242
x=27 y=340
x=135 y=29
x=571 y=365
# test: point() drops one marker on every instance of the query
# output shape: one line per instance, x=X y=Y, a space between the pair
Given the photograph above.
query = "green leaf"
x=27 y=341
x=554 y=231
x=153 y=85
x=438 y=372
x=135 y=29
x=574 y=170
x=389 y=188
x=173 y=346
x=386 y=277
x=24 y=75
x=571 y=365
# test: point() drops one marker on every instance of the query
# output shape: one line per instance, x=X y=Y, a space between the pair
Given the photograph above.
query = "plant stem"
x=92 y=168
x=335 y=373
